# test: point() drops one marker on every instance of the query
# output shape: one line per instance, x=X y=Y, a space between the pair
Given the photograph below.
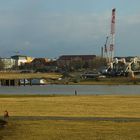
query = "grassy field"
x=109 y=106
x=8 y=75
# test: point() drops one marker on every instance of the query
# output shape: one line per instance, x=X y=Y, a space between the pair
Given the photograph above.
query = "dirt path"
x=114 y=119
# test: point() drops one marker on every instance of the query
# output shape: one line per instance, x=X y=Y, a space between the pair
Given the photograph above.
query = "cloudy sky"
x=50 y=28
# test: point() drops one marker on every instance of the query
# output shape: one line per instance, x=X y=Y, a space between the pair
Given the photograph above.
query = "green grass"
x=71 y=106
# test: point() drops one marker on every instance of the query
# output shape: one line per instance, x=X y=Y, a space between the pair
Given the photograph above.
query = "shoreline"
x=101 y=81
x=64 y=95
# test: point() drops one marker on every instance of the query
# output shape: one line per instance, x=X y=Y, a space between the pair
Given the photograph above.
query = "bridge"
x=13 y=79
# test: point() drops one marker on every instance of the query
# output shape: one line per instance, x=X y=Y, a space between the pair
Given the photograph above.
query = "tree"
x=97 y=63
x=1 y=65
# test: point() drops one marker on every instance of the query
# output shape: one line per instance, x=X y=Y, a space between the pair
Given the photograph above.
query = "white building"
x=9 y=63
x=19 y=59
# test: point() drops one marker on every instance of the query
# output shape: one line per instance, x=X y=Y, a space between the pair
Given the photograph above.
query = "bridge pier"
x=9 y=82
x=30 y=80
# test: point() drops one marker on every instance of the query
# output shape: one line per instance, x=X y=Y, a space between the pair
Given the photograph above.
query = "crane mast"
x=109 y=47
x=106 y=48
x=112 y=35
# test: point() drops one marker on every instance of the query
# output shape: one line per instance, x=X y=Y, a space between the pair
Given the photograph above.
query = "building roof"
x=68 y=57
x=18 y=56
x=40 y=60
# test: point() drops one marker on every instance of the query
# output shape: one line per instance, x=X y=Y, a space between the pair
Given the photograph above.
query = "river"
x=70 y=89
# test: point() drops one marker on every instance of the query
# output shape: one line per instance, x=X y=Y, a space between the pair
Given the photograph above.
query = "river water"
x=70 y=89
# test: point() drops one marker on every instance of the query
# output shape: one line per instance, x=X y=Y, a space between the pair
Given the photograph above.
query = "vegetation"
x=36 y=127
x=110 y=81
x=1 y=65
x=72 y=106
x=7 y=75
x=77 y=65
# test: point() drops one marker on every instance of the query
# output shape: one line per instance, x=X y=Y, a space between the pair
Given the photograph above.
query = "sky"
x=51 y=28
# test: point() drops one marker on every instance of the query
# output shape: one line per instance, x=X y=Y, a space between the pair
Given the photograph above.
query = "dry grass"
x=76 y=106
x=85 y=106
x=29 y=75
x=71 y=130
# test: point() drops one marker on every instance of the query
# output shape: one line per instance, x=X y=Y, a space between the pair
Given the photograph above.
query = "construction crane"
x=110 y=51
x=106 y=48
x=109 y=47
x=112 y=35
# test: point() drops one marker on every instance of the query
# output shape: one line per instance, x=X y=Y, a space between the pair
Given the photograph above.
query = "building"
x=21 y=59
x=68 y=59
x=42 y=65
x=8 y=63
x=29 y=59
x=39 y=62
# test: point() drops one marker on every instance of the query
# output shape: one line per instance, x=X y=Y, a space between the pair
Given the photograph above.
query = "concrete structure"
x=9 y=82
x=24 y=82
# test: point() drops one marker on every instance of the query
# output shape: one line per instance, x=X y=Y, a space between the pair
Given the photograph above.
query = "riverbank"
x=102 y=81
x=55 y=78
x=16 y=75
x=108 y=117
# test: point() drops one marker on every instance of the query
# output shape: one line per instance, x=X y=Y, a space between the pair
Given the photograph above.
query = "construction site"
x=123 y=66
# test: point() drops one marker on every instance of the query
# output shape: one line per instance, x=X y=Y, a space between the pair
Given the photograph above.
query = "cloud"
x=50 y=33
x=52 y=29
x=130 y=19
x=127 y=35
